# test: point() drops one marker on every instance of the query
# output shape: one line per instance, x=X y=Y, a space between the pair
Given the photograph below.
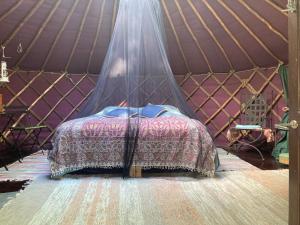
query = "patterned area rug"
x=37 y=164
x=238 y=197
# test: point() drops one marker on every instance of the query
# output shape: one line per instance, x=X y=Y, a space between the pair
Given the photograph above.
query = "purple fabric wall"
x=54 y=98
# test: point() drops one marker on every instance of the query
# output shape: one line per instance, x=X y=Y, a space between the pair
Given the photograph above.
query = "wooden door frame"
x=294 y=114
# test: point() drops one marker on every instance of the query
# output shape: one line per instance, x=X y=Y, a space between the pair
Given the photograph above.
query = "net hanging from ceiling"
x=136 y=69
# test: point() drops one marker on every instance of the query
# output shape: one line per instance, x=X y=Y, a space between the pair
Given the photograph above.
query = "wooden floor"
x=246 y=197
x=249 y=156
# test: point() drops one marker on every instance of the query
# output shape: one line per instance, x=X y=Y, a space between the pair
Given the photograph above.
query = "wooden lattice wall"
x=56 y=97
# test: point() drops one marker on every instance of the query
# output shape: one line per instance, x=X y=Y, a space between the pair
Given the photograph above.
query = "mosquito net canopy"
x=136 y=70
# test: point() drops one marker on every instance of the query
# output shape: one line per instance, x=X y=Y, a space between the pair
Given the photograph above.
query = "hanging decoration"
x=4 y=75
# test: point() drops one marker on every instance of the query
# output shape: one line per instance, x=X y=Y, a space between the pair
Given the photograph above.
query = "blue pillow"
x=152 y=111
x=121 y=113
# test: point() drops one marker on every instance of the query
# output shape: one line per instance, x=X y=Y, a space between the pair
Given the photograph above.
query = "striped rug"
x=37 y=164
x=231 y=198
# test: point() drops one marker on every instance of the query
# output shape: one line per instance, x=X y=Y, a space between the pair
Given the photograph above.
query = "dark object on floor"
x=251 y=156
x=10 y=186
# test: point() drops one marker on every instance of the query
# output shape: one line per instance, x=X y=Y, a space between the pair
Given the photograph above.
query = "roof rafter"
x=229 y=33
x=39 y=32
x=97 y=35
x=176 y=36
x=210 y=33
x=261 y=43
x=23 y=21
x=267 y=23
x=193 y=35
x=277 y=7
x=78 y=34
x=2 y=17
x=59 y=33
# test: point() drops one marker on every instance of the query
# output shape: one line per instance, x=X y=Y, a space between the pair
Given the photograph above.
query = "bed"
x=168 y=141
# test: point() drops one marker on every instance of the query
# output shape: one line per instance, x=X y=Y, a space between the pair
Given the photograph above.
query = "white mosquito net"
x=136 y=69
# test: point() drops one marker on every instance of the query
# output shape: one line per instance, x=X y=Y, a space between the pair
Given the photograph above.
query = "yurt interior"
x=186 y=109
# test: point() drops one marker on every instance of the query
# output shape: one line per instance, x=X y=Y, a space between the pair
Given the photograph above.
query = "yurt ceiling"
x=202 y=35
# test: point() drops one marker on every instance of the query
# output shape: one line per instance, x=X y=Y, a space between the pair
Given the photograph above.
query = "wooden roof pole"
x=96 y=36
x=263 y=20
x=210 y=33
x=261 y=43
x=23 y=21
x=59 y=33
x=193 y=35
x=278 y=8
x=2 y=17
x=39 y=32
x=176 y=36
x=229 y=33
x=78 y=35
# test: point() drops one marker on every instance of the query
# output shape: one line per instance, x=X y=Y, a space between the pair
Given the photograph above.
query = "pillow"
x=120 y=113
x=152 y=111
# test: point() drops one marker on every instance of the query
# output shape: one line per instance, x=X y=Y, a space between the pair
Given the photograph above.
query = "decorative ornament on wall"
x=4 y=75
x=20 y=48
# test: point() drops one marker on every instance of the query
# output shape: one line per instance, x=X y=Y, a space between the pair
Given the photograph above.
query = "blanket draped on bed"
x=163 y=142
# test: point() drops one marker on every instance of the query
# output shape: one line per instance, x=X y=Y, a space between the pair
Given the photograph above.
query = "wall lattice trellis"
x=53 y=98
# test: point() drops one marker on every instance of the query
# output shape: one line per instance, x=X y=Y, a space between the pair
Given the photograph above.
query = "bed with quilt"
x=167 y=140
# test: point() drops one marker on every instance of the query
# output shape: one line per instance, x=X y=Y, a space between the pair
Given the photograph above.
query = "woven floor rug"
x=31 y=167
x=240 y=197
x=37 y=164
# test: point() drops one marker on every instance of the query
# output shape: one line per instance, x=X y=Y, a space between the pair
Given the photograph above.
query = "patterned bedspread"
x=164 y=142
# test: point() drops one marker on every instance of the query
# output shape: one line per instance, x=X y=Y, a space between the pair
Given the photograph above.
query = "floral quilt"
x=175 y=142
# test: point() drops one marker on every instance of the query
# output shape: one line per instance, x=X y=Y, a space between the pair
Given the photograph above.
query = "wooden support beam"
x=12 y=9
x=135 y=171
x=193 y=36
x=234 y=39
x=78 y=35
x=38 y=34
x=209 y=31
x=23 y=21
x=263 y=20
x=62 y=28
x=241 y=22
x=96 y=36
x=176 y=36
